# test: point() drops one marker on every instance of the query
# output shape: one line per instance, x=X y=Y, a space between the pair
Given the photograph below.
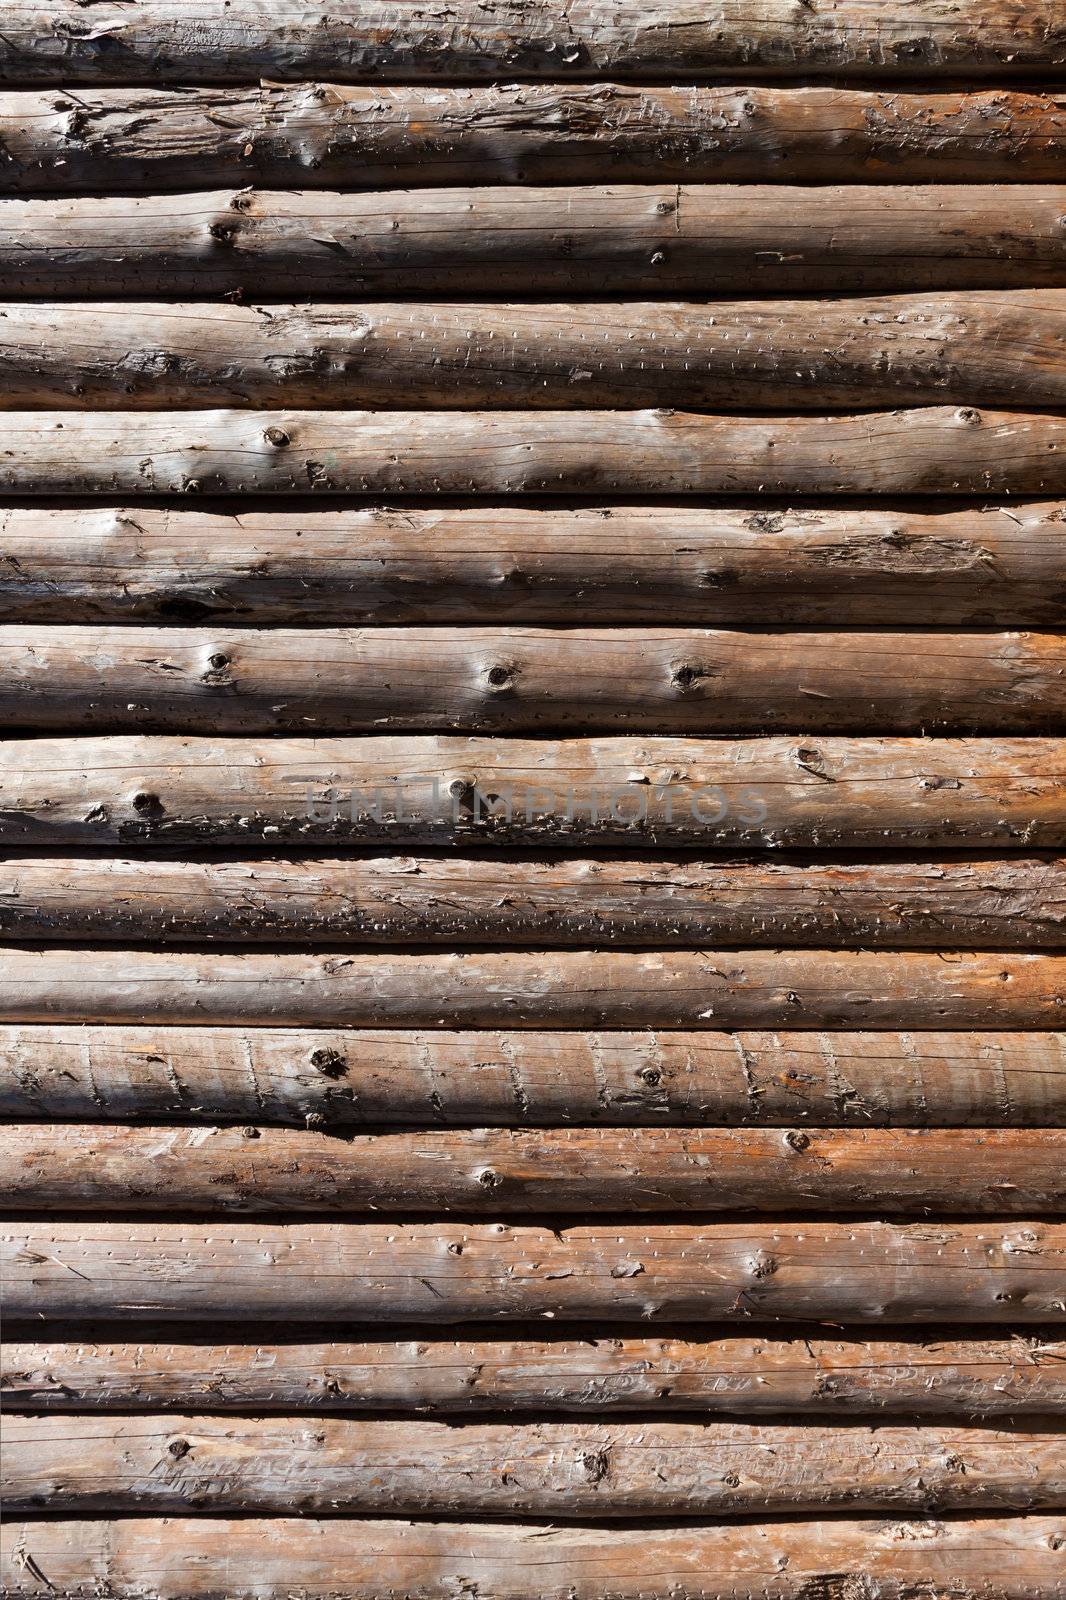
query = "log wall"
x=533 y=800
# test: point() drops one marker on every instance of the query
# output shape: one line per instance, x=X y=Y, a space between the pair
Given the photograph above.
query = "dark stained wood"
x=511 y=680
x=105 y=1170
x=335 y=136
x=819 y=1378
x=329 y=1274
x=680 y=989
x=565 y=1470
x=349 y=1080
x=936 y=450
x=605 y=240
x=984 y=348
x=192 y=40
x=996 y=903
x=993 y=565
x=634 y=794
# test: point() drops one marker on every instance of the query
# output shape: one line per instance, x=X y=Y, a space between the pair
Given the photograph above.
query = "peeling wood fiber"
x=1001 y=565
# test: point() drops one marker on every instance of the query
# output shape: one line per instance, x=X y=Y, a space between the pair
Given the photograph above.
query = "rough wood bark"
x=320 y=1274
x=518 y=680
x=699 y=240
x=106 y=1170
x=332 y=136
x=817 y=1378
x=1001 y=565
x=642 y=794
x=564 y=1470
x=932 y=451
x=182 y=40
x=987 y=348
x=357 y=1080
x=999 y=903
x=138 y=1558
x=799 y=989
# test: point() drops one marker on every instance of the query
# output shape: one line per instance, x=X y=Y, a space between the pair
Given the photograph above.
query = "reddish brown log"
x=999 y=565
x=137 y=1558
x=332 y=136
x=364 y=1080
x=799 y=989
x=999 y=903
x=190 y=40
x=1008 y=1378
x=105 y=1170
x=519 y=680
x=986 y=348
x=329 y=1274
x=563 y=1470
x=640 y=794
x=697 y=241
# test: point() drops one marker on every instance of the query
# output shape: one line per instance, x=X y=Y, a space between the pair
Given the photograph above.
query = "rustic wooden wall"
x=533 y=799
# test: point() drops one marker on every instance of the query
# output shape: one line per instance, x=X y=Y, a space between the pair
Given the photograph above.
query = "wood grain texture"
x=373 y=1079
x=1003 y=348
x=681 y=989
x=640 y=794
x=931 y=451
x=335 y=136
x=818 y=1379
x=330 y=1273
x=191 y=40
x=515 y=680
x=564 y=1470
x=106 y=1170
x=995 y=565
x=139 y=1558
x=662 y=240
x=998 y=903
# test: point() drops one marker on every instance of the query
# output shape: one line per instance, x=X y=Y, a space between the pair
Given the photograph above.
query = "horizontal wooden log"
x=356 y=1080
x=931 y=451
x=998 y=565
x=999 y=903
x=335 y=136
x=681 y=989
x=106 y=1170
x=986 y=348
x=564 y=1470
x=331 y=1273
x=183 y=40
x=667 y=239
x=172 y=793
x=138 y=1558
x=816 y=1378
x=519 y=680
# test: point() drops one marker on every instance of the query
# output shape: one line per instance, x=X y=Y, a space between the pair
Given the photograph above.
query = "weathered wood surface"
x=563 y=1470
x=930 y=451
x=667 y=239
x=183 y=40
x=520 y=680
x=642 y=794
x=817 y=1378
x=673 y=990
x=335 y=136
x=999 y=903
x=995 y=565
x=138 y=1558
x=330 y=1273
x=105 y=1170
x=989 y=348
x=356 y=1080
